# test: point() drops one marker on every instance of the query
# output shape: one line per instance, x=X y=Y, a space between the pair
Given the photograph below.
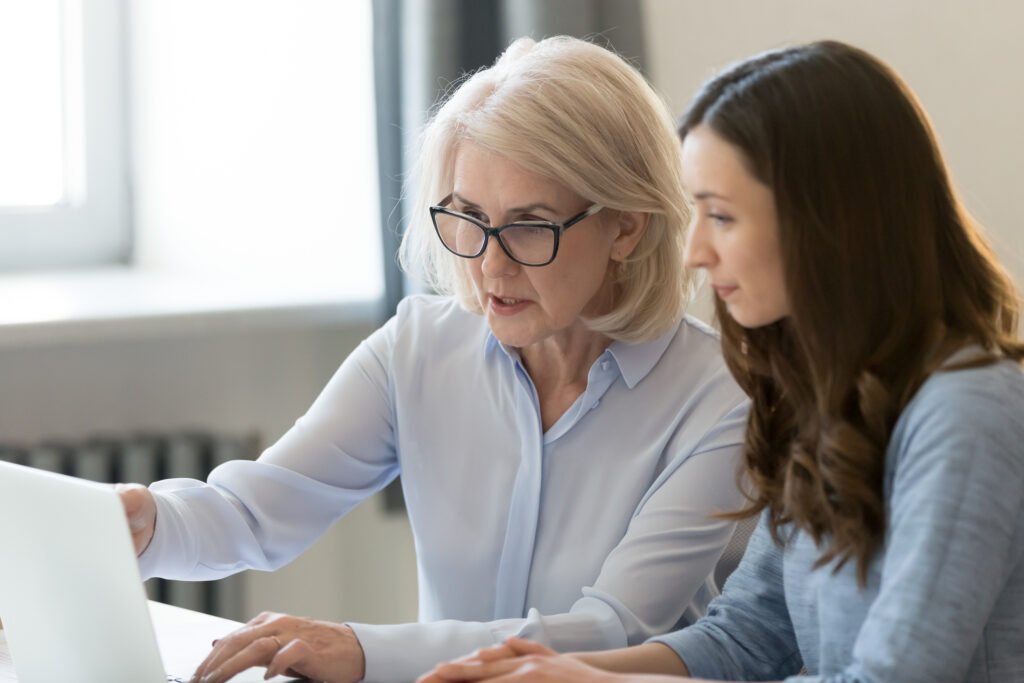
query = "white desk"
x=184 y=638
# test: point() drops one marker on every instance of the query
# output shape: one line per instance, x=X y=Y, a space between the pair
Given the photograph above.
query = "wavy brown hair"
x=886 y=275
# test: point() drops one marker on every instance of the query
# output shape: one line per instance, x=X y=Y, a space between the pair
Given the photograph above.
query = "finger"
x=258 y=653
x=521 y=646
x=133 y=501
x=140 y=510
x=475 y=670
x=430 y=677
x=227 y=647
x=490 y=654
x=289 y=659
x=484 y=654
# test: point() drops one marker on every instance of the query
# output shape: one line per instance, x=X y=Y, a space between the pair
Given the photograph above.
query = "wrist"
x=356 y=654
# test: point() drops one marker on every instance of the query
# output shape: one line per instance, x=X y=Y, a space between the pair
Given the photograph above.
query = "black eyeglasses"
x=530 y=243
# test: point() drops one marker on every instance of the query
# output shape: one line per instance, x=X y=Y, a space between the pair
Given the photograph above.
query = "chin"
x=752 y=320
x=508 y=334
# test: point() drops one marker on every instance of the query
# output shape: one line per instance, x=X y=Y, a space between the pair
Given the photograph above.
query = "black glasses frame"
x=556 y=228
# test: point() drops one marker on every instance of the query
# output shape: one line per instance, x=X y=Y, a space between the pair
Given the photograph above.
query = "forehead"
x=481 y=175
x=713 y=165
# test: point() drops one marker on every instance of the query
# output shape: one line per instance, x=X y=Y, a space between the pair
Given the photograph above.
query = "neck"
x=559 y=367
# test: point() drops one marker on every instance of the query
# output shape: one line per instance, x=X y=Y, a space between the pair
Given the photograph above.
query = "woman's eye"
x=719 y=219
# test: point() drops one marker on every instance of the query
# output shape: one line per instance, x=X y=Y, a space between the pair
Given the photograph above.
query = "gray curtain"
x=422 y=46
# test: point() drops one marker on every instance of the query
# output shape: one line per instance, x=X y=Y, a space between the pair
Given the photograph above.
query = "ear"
x=631 y=228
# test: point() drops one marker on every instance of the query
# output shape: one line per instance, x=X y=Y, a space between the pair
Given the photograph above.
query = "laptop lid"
x=71 y=598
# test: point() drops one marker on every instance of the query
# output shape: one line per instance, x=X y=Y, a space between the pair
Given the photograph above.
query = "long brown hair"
x=885 y=271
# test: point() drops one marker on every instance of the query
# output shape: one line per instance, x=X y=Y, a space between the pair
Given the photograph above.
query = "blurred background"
x=200 y=203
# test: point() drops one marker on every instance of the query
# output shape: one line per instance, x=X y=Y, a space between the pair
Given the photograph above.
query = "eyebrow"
x=709 y=195
x=515 y=209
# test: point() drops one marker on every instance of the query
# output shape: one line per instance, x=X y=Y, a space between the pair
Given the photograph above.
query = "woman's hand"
x=516 y=659
x=140 y=508
x=287 y=645
x=506 y=650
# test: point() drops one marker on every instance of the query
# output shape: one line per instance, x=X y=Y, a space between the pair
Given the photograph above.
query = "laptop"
x=71 y=598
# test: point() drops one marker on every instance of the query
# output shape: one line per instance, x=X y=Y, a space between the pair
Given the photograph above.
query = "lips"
x=507 y=305
x=723 y=292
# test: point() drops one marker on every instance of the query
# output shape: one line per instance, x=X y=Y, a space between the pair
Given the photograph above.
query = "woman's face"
x=527 y=305
x=735 y=232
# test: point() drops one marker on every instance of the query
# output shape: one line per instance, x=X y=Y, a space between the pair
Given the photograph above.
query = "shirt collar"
x=635 y=361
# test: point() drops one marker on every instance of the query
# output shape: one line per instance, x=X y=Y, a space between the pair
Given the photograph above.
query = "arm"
x=518 y=659
x=649 y=658
x=643 y=588
x=954 y=531
x=263 y=514
x=747 y=633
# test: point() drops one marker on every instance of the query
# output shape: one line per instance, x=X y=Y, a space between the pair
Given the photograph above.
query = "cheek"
x=472 y=272
x=772 y=275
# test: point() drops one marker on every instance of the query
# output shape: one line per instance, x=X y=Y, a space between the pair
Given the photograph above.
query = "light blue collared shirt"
x=945 y=595
x=593 y=534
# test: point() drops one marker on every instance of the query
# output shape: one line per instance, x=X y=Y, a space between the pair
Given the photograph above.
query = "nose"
x=495 y=263
x=699 y=252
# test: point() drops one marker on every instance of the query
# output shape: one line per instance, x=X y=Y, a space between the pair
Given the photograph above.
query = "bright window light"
x=255 y=142
x=31 y=119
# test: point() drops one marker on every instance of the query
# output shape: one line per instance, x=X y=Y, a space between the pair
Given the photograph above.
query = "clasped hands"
x=516 y=660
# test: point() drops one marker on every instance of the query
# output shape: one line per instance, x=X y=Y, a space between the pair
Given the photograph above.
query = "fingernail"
x=214 y=643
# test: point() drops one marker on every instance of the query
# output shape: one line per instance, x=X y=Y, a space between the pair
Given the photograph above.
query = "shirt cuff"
x=399 y=653
x=169 y=551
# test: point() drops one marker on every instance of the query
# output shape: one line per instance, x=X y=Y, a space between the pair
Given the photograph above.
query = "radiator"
x=143 y=459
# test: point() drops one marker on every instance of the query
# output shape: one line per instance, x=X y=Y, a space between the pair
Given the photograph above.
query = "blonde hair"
x=576 y=113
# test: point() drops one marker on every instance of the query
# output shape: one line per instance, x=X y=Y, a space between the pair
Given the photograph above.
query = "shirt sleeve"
x=954 y=531
x=339 y=453
x=669 y=549
x=747 y=633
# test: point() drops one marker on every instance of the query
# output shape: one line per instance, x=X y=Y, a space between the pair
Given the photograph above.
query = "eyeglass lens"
x=528 y=244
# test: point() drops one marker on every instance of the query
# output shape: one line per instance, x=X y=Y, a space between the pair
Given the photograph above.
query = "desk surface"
x=183 y=636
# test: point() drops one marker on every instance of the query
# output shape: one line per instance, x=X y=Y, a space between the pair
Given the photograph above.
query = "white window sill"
x=122 y=302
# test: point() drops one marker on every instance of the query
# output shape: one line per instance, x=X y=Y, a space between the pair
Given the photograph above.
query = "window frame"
x=91 y=227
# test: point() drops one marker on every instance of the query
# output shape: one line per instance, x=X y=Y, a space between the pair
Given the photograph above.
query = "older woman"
x=562 y=432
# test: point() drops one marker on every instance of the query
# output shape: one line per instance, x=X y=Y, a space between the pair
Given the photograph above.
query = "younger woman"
x=876 y=335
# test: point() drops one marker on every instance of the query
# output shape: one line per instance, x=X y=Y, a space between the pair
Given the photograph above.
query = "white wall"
x=965 y=61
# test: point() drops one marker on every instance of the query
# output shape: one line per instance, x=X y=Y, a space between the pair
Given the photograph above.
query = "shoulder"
x=991 y=394
x=418 y=307
x=974 y=416
x=429 y=316
x=425 y=323
x=691 y=374
x=699 y=333
x=694 y=356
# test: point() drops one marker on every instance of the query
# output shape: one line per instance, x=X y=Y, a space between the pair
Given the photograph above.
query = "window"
x=63 y=139
x=248 y=129
x=255 y=143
